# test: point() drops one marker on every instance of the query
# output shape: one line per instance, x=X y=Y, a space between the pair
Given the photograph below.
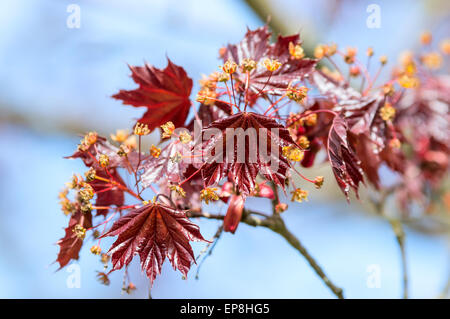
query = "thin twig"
x=276 y=224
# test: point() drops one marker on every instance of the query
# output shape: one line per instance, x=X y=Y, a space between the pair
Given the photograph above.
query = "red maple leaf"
x=70 y=244
x=166 y=165
x=154 y=231
x=256 y=46
x=246 y=159
x=165 y=93
x=345 y=164
x=108 y=194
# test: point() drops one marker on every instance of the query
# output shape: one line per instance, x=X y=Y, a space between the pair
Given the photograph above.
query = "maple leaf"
x=70 y=244
x=106 y=193
x=250 y=156
x=165 y=93
x=154 y=231
x=344 y=163
x=170 y=164
x=256 y=46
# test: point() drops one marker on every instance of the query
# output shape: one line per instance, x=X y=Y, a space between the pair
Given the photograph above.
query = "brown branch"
x=276 y=224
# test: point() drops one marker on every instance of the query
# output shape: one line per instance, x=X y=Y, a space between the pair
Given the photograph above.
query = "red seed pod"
x=234 y=213
x=226 y=191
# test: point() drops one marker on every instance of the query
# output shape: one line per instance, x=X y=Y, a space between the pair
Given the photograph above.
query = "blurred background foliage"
x=56 y=83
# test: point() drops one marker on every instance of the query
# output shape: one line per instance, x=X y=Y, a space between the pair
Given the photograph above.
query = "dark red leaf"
x=154 y=231
x=70 y=244
x=165 y=93
x=256 y=46
x=345 y=164
x=245 y=161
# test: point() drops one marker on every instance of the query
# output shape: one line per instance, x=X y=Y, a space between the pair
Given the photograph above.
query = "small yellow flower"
x=349 y=57
x=321 y=51
x=297 y=94
x=120 y=136
x=96 y=250
x=223 y=77
x=388 y=89
x=383 y=59
x=248 y=65
x=79 y=231
x=209 y=194
x=426 y=38
x=141 y=129
x=293 y=153
x=296 y=51
x=387 y=112
x=155 y=151
x=445 y=46
x=167 y=129
x=303 y=142
x=310 y=120
x=408 y=82
x=86 y=194
x=395 y=143
x=206 y=96
x=178 y=189
x=103 y=160
x=318 y=181
x=432 y=60
x=272 y=64
x=229 y=67
x=185 y=137
x=90 y=175
x=299 y=195
x=91 y=138
x=369 y=51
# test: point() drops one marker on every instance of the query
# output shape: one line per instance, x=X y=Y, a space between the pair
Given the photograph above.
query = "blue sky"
x=59 y=73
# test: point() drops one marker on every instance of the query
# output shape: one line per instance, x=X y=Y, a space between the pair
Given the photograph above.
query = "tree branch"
x=276 y=224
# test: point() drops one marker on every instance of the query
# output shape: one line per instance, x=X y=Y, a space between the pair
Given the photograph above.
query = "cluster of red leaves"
x=348 y=125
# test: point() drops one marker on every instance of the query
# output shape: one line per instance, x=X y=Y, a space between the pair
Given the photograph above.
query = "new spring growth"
x=90 y=175
x=248 y=65
x=271 y=64
x=103 y=160
x=141 y=129
x=309 y=120
x=299 y=195
x=88 y=140
x=387 y=112
x=185 y=137
x=297 y=94
x=79 y=231
x=96 y=250
x=167 y=129
x=209 y=194
x=303 y=142
x=293 y=153
x=155 y=151
x=349 y=57
x=296 y=51
x=178 y=189
x=229 y=67
x=383 y=59
x=318 y=181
